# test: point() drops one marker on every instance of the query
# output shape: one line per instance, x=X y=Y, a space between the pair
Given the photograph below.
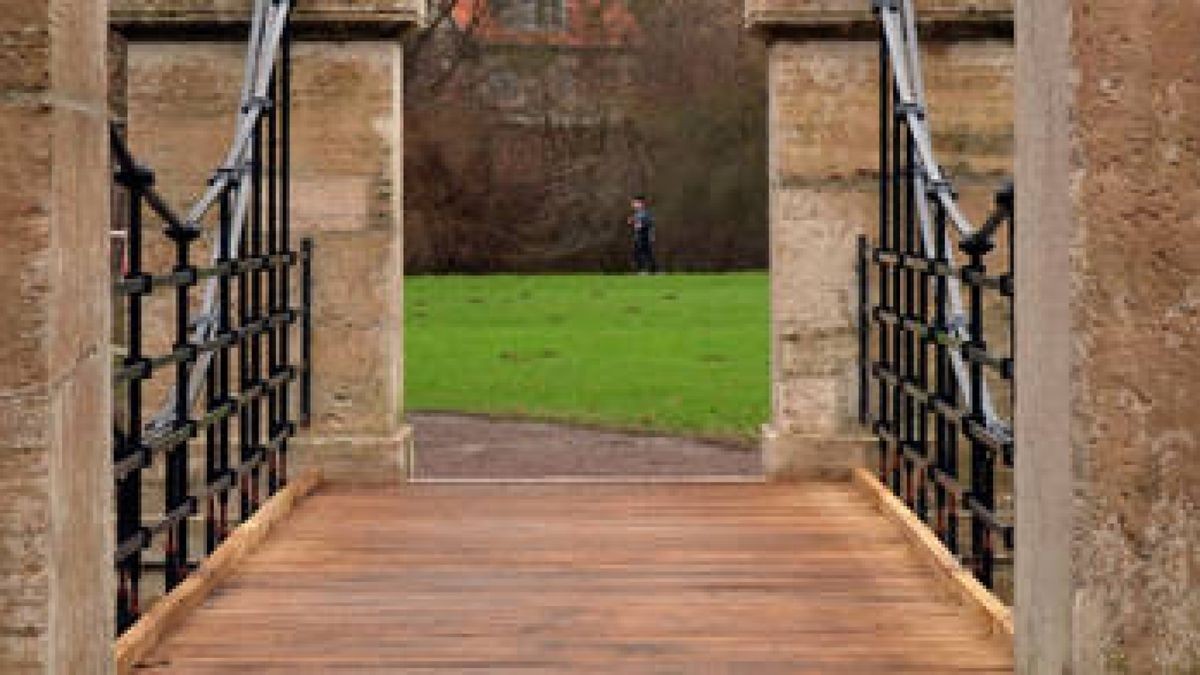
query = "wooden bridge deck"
x=574 y=578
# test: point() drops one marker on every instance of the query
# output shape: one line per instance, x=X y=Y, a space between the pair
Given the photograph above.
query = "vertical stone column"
x=824 y=127
x=185 y=60
x=56 y=534
x=1108 y=338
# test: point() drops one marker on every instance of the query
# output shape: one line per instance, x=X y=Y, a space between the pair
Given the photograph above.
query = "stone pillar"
x=56 y=531
x=1108 y=338
x=185 y=60
x=824 y=127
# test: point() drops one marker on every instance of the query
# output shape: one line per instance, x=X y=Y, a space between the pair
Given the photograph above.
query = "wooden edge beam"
x=140 y=640
x=950 y=573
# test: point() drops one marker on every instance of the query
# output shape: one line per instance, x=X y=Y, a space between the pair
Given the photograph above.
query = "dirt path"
x=462 y=446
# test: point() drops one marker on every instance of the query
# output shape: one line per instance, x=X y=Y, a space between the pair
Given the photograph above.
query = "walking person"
x=643 y=237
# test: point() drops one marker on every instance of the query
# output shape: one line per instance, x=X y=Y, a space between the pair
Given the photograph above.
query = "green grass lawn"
x=677 y=353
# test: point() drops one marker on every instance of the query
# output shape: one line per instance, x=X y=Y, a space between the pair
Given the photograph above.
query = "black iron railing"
x=233 y=327
x=935 y=366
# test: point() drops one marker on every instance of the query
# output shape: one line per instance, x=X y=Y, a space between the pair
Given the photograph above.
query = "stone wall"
x=824 y=193
x=349 y=196
x=56 y=531
x=346 y=194
x=1108 y=367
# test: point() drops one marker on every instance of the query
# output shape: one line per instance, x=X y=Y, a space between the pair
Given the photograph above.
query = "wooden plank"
x=584 y=578
x=171 y=611
x=957 y=579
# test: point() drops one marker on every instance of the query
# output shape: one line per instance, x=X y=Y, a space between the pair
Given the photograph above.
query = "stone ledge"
x=851 y=24
x=356 y=460
x=796 y=457
x=229 y=19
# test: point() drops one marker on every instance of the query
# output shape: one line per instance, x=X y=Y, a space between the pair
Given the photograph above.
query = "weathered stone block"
x=25 y=177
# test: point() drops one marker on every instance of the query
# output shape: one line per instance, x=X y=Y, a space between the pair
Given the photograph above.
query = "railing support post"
x=306 y=252
x=982 y=495
x=284 y=101
x=128 y=446
x=883 y=424
x=864 y=333
x=225 y=332
x=178 y=501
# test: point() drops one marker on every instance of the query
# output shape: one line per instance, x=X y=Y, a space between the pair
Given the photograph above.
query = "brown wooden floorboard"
x=587 y=579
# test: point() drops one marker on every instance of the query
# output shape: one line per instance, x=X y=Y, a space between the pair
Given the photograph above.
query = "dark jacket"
x=643 y=223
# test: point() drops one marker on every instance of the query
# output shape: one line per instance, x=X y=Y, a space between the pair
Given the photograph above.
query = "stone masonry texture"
x=56 y=613
x=824 y=192
x=1109 y=121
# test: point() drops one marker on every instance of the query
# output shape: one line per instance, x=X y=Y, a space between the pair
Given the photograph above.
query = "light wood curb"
x=950 y=572
x=137 y=643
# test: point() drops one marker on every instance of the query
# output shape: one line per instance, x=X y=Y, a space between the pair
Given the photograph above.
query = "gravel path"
x=472 y=447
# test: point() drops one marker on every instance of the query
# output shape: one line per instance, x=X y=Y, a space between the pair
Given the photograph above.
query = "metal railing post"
x=178 y=501
x=284 y=101
x=982 y=494
x=306 y=248
x=225 y=332
x=885 y=121
x=128 y=447
x=274 y=420
x=245 y=379
x=257 y=447
x=946 y=432
x=907 y=314
x=898 y=430
x=864 y=332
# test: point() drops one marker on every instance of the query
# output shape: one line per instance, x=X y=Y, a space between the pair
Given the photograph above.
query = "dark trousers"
x=643 y=253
